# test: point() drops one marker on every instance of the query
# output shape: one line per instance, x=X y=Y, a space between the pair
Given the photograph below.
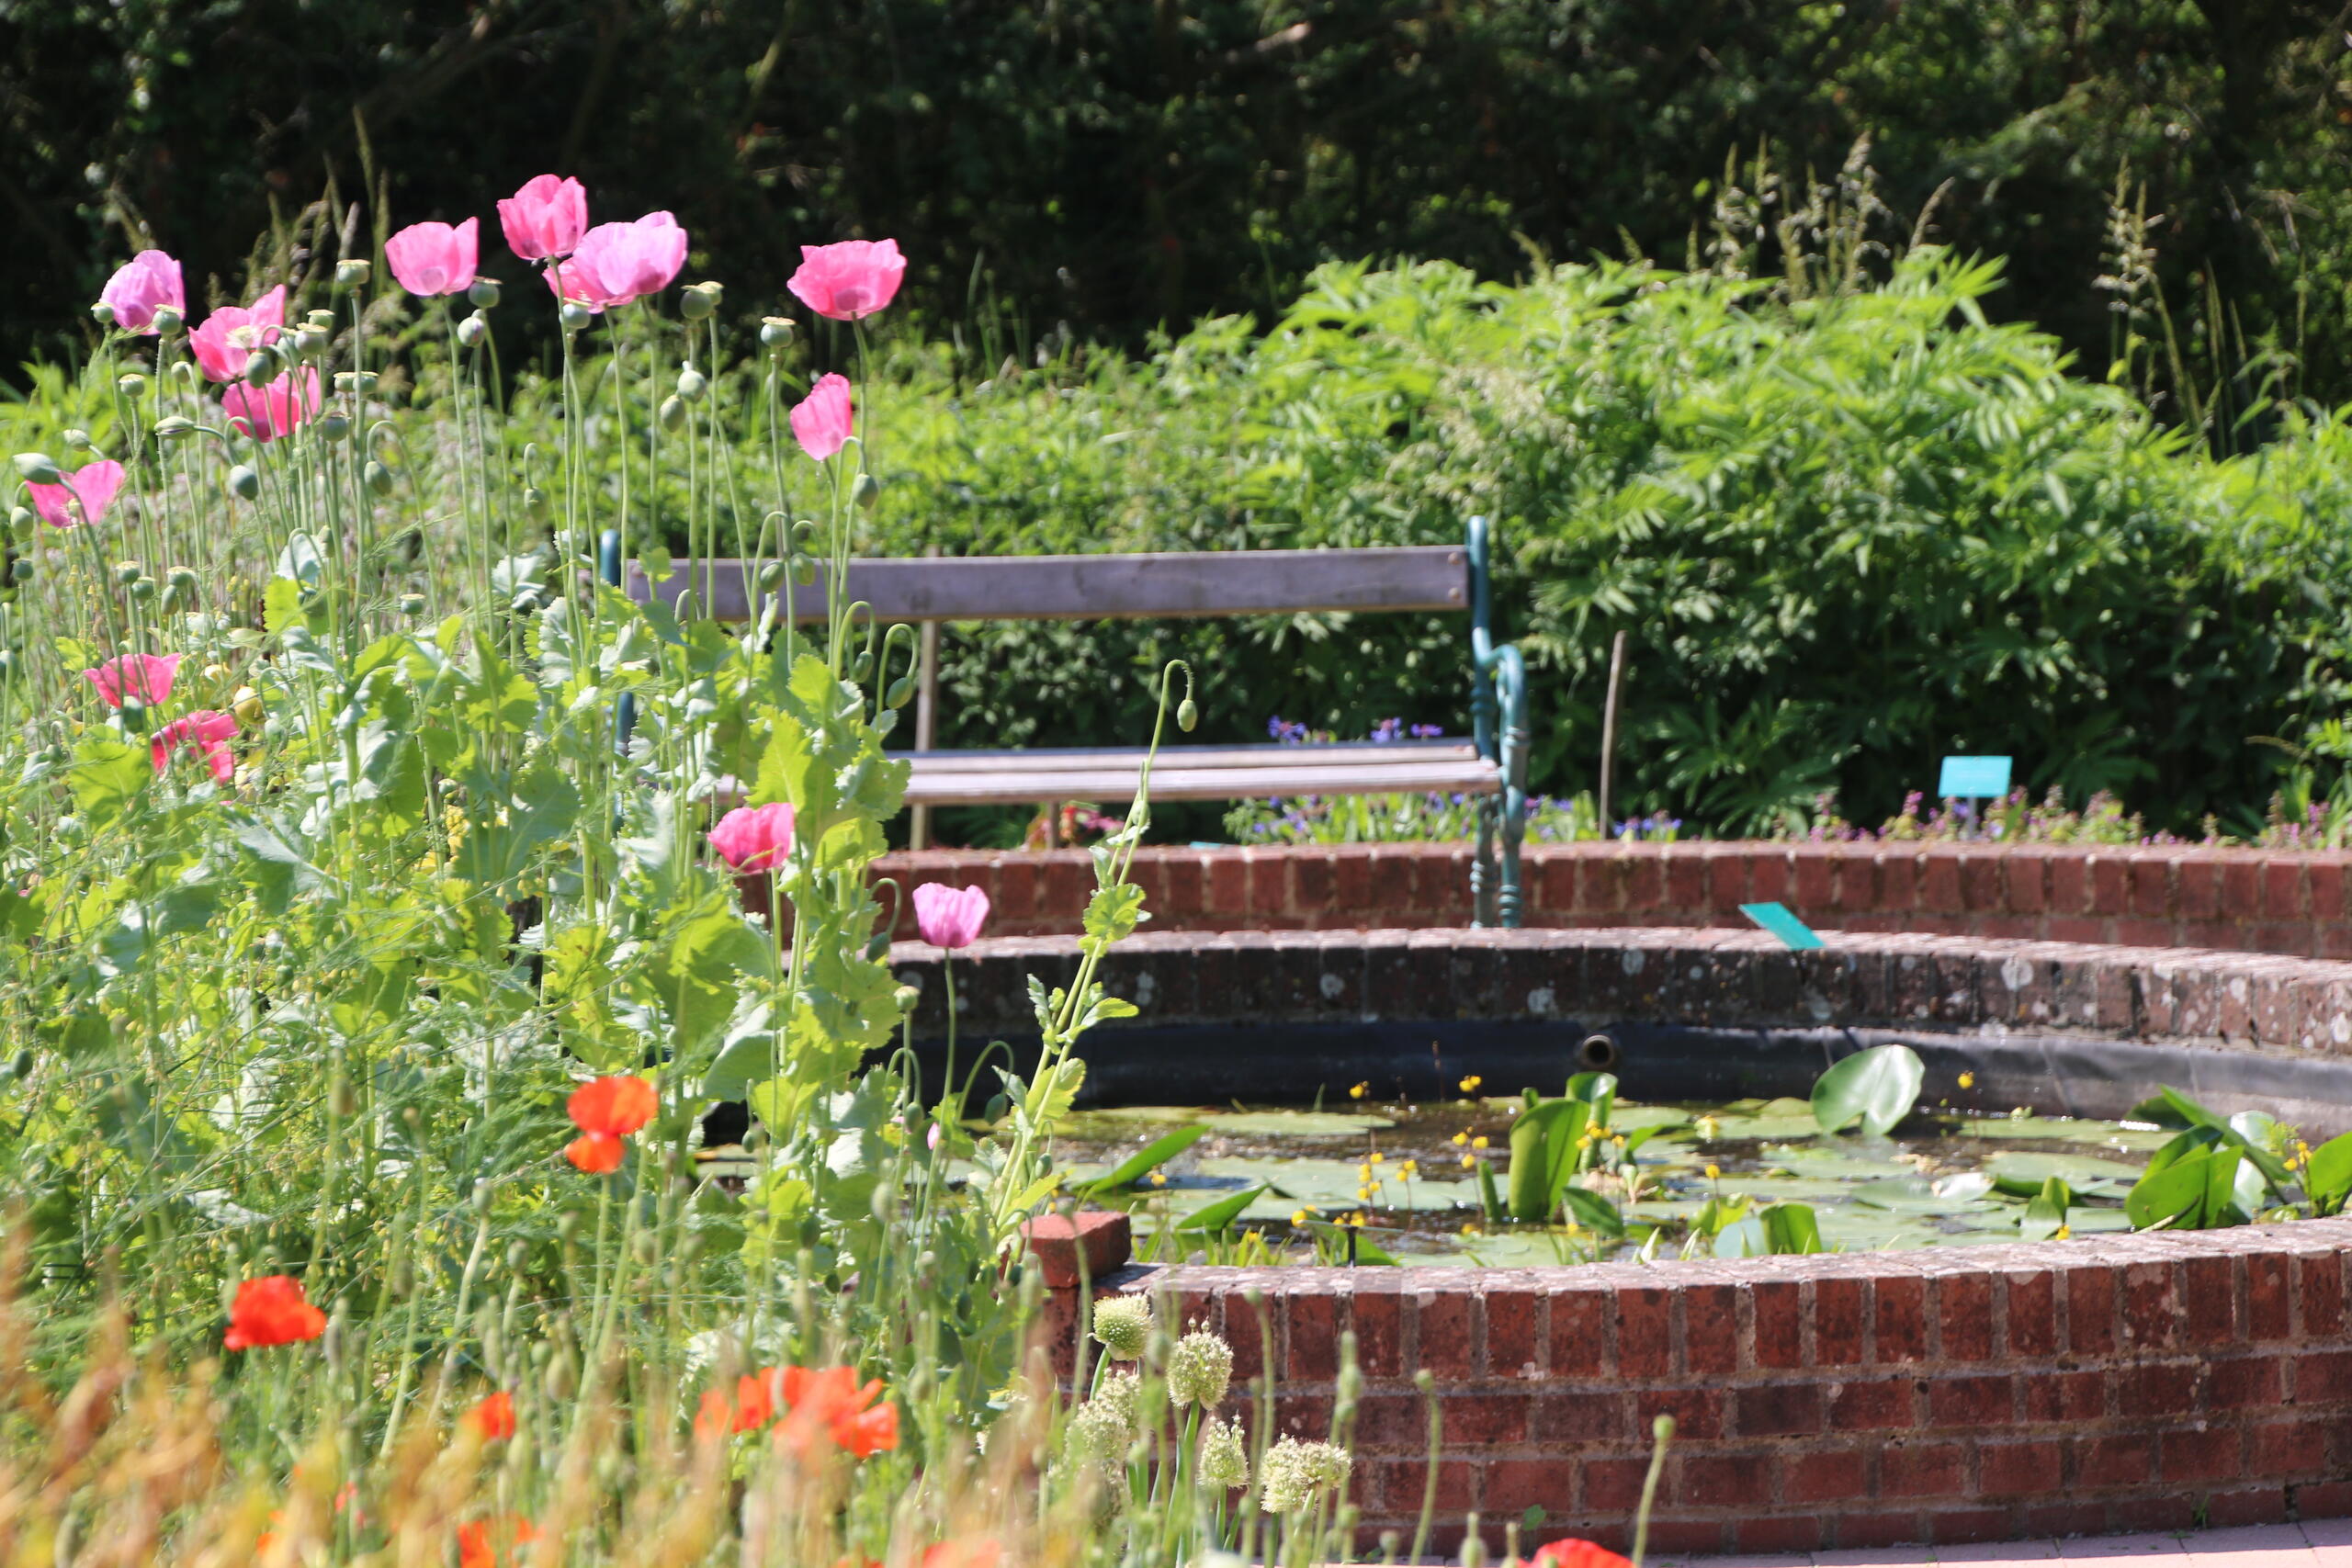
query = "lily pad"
x=2084 y=1173
x=1296 y=1124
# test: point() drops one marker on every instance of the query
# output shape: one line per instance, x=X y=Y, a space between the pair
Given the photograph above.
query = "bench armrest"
x=1500 y=721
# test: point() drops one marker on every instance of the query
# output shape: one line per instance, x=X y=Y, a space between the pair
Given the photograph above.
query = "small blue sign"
x=1775 y=918
x=1973 y=778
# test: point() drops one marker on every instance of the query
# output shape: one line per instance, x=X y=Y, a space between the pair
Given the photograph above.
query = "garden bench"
x=1492 y=764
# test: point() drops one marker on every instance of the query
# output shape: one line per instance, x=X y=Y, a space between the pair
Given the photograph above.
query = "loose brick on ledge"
x=1102 y=1238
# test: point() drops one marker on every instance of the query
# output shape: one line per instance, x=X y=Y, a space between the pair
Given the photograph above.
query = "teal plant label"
x=1972 y=778
x=1775 y=918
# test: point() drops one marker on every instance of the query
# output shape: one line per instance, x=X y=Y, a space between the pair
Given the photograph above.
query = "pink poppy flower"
x=546 y=218
x=268 y=413
x=428 y=259
x=821 y=422
x=850 y=280
x=754 y=838
x=950 y=917
x=207 y=734
x=146 y=676
x=146 y=280
x=85 y=496
x=620 y=262
x=229 y=335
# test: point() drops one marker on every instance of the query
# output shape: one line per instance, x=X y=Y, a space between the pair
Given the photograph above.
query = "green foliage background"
x=1116 y=165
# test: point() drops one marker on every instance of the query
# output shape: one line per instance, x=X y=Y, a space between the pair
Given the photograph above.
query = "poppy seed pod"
x=143 y=590
x=866 y=491
x=693 y=385
x=359 y=382
x=38 y=468
x=102 y=313
x=261 y=368
x=775 y=332
x=574 y=316
x=310 y=342
x=243 y=483
x=672 y=413
x=334 y=427
x=471 y=331
x=168 y=321
x=411 y=604
x=20 y=572
x=695 y=305
x=482 y=293
x=131 y=384
x=23 y=521
x=350 y=274
x=320 y=321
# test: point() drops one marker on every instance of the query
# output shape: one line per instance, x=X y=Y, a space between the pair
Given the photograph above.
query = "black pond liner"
x=2054 y=1075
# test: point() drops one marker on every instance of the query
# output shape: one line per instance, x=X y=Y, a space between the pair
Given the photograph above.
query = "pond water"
x=1944 y=1178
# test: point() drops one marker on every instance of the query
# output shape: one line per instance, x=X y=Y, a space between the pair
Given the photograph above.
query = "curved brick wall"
x=1970 y=1394
x=2249 y=900
x=1981 y=1393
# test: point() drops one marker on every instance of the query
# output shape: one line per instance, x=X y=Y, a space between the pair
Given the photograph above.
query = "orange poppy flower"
x=598 y=1154
x=1577 y=1554
x=476 y=1548
x=272 y=1311
x=614 y=1106
x=493 y=1417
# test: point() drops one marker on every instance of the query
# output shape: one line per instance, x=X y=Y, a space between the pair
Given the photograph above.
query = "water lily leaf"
x=1877 y=1087
x=2174 y=1192
x=1140 y=1164
x=1217 y=1215
x=2328 y=1178
x=1296 y=1123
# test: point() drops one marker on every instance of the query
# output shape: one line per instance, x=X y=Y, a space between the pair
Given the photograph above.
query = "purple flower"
x=1428 y=732
x=1387 y=730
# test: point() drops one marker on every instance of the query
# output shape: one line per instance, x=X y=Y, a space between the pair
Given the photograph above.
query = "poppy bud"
x=261 y=368
x=559 y=1377
x=692 y=384
x=8 y=664
x=770 y=576
x=20 y=572
x=168 y=321
x=131 y=384
x=1188 y=714
x=567 y=1226
x=247 y=704
x=102 y=313
x=173 y=425
x=672 y=413
x=243 y=483
x=38 y=468
x=333 y=426
x=483 y=295
x=350 y=274
x=866 y=491
x=23 y=522
x=689 y=606
x=342 y=1098
x=471 y=331
x=377 y=478
x=535 y=499
x=803 y=536
x=803 y=569
x=900 y=690
x=862 y=667
x=128 y=571
x=574 y=316
x=648 y=1249
x=79 y=440
x=23 y=1065
x=775 y=332
x=517 y=1255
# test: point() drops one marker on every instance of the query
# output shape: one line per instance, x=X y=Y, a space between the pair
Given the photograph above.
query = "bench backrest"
x=1090 y=588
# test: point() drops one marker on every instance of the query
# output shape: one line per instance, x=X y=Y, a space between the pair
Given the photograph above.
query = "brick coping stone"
x=1838 y=1401
x=2112 y=1384
x=1711 y=976
x=2291 y=901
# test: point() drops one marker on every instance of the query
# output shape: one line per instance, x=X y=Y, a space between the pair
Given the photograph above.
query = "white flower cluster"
x=1298 y=1472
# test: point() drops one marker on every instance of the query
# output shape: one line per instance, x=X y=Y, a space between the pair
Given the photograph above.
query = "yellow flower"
x=1363 y=1173
x=1375 y=1156
x=1478 y=1143
x=1459 y=1139
x=1410 y=1169
x=1470 y=1085
x=1708 y=1127
x=1715 y=1173
x=2066 y=1233
x=1159 y=1179
x=1469 y=1230
x=1968 y=1080
x=1298 y=1218
x=1359 y=1091
x=1469 y=1162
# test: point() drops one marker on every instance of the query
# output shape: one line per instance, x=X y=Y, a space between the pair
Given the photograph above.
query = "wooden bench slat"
x=1199 y=758
x=1102 y=587
x=1117 y=783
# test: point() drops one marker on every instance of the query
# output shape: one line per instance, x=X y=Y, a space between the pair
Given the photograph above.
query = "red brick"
x=1927 y=1470
x=2066 y=1518
x=2208 y=1455
x=1698 y=1412
x=2070 y=887
x=1879 y=1407
x=1777 y=1410
x=1563 y=1415
x=1881 y=1527
x=1686 y=876
x=1511 y=1321
x=1981 y=883
x=1099 y=1237
x=2282 y=889
x=1783 y=1533
x=1246 y=1328
x=1227 y=892
x=2150 y=1307
x=2090 y=1309
x=1899 y=876
x=2151 y=892
x=1965 y=1316
x=1836 y=1322
x=1447 y=1320
x=2322 y=1375
x=2156 y=1391
x=2288 y=1448
x=1710 y=1328
x=1768 y=876
x=1813 y=873
x=2268 y=1295
x=2212 y=1291
x=1644 y=1332
x=2247 y=1506
x=2329 y=1500
x=1901 y=1319
x=2111 y=885
x=1310 y=884
x=1613 y=1485
x=2321 y=1276
x=1727 y=878
x=1725 y=1480
x=1970 y=1402
x=2152 y=1515
x=1378 y=1320
x=2248 y=1382
x=1687 y=1537
x=1780 y=1310
x=2123 y=1461
x=2019 y=1470
x=1940 y=882
x=1970 y=1523
x=2197 y=886
x=2032 y=1313
x=1579 y=1333
x=2242 y=890
x=1399 y=1484
x=2065 y=1396
x=1515 y=1485
x=1826 y=1477
x=1313 y=1332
